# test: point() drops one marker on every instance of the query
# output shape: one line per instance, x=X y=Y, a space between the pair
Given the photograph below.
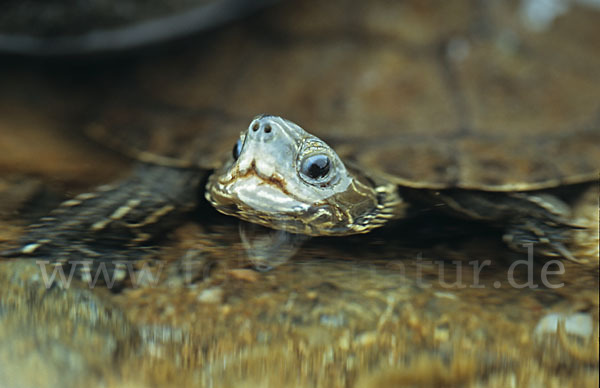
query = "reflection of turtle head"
x=282 y=177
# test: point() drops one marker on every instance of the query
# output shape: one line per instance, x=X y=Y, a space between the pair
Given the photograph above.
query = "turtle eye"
x=237 y=149
x=315 y=166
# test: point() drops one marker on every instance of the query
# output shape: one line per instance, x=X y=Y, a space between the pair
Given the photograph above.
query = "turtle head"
x=282 y=177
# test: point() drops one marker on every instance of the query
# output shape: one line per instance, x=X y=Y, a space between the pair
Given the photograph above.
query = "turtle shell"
x=478 y=95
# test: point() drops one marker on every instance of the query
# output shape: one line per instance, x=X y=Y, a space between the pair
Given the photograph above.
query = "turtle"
x=489 y=124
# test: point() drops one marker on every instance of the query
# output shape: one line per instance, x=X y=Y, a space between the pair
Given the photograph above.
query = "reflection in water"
x=267 y=248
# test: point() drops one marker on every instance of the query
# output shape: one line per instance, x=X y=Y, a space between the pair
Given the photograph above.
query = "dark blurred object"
x=63 y=27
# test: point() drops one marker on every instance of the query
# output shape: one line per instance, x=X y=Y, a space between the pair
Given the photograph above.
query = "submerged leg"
x=527 y=218
x=113 y=225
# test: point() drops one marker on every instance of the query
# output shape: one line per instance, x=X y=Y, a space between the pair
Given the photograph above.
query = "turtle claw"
x=549 y=238
x=563 y=251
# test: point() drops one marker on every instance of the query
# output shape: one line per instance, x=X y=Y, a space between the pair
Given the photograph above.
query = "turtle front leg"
x=533 y=219
x=114 y=225
x=547 y=237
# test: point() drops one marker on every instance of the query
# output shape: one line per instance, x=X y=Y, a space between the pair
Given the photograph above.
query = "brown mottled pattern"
x=432 y=94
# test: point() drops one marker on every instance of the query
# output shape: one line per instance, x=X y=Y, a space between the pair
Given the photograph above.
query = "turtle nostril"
x=255 y=127
x=267 y=128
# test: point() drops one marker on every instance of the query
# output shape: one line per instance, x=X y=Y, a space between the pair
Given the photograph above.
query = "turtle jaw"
x=309 y=219
x=264 y=201
x=358 y=209
x=253 y=197
x=259 y=209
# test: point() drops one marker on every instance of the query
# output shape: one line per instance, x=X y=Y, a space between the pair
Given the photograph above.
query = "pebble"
x=244 y=274
x=211 y=295
x=579 y=324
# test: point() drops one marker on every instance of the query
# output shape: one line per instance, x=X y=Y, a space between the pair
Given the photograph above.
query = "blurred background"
x=363 y=70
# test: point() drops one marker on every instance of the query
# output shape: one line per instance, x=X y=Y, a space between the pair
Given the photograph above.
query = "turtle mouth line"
x=273 y=180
